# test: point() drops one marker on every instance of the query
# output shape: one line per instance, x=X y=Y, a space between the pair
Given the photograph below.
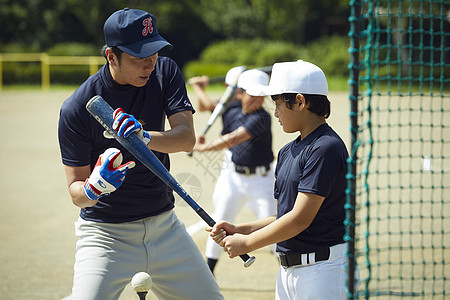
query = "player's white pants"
x=324 y=280
x=233 y=190
x=108 y=255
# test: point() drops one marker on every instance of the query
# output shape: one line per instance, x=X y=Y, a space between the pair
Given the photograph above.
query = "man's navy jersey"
x=316 y=165
x=256 y=151
x=81 y=139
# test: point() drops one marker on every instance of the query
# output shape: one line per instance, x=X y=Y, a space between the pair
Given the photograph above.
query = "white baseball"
x=117 y=162
x=141 y=282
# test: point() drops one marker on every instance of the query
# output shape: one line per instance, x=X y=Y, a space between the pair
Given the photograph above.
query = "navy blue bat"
x=103 y=113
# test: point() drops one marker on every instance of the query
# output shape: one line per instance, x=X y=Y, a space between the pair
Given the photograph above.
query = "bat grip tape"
x=248 y=261
x=204 y=215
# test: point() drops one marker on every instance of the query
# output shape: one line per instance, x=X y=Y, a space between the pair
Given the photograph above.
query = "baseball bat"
x=220 y=107
x=222 y=104
x=103 y=113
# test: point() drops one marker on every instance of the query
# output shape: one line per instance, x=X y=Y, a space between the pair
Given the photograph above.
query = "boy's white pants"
x=233 y=190
x=322 y=281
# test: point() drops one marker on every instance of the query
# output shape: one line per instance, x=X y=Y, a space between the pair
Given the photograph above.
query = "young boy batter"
x=310 y=188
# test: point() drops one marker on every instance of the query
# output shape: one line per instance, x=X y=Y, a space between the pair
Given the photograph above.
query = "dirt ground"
x=37 y=216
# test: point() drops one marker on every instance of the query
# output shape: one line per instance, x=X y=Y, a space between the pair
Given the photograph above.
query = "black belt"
x=250 y=170
x=303 y=259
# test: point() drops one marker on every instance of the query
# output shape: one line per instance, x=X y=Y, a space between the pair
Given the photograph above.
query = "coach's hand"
x=125 y=124
x=107 y=175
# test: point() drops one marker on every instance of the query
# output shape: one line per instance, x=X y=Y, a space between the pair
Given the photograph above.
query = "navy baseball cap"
x=134 y=32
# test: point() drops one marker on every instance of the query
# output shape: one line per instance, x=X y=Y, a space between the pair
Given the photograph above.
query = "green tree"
x=190 y=25
x=286 y=20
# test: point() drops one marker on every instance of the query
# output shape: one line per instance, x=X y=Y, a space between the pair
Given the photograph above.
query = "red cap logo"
x=148 y=28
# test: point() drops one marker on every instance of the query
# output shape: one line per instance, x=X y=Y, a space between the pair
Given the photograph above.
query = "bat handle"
x=248 y=260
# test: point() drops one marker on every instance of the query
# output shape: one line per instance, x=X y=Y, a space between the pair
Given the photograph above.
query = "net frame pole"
x=354 y=19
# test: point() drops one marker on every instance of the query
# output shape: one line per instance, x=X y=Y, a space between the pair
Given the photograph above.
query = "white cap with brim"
x=233 y=75
x=253 y=81
x=299 y=77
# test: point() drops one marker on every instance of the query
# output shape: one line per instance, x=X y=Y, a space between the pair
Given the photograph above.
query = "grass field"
x=37 y=216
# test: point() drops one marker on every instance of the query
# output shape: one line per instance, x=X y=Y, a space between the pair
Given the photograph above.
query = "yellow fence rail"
x=46 y=61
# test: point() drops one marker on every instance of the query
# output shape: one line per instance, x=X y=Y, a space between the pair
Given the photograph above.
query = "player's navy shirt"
x=317 y=165
x=81 y=139
x=256 y=151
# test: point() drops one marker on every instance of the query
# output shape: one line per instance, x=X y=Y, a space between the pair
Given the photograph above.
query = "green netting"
x=398 y=196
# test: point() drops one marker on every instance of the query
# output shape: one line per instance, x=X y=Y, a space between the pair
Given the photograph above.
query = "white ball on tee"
x=141 y=282
x=116 y=162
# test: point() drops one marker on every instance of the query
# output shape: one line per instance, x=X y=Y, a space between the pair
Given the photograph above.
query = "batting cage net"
x=398 y=196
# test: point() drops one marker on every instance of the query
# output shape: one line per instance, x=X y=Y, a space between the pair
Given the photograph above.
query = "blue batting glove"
x=125 y=124
x=107 y=175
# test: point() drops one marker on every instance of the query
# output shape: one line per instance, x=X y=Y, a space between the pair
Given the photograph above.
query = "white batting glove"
x=125 y=124
x=107 y=175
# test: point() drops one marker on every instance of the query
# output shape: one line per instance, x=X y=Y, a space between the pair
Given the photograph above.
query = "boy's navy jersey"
x=256 y=151
x=316 y=165
x=81 y=139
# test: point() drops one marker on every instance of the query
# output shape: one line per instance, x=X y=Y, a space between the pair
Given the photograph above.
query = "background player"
x=205 y=103
x=247 y=172
x=127 y=225
x=310 y=188
x=199 y=84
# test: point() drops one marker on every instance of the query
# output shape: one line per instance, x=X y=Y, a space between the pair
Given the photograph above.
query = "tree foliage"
x=288 y=20
x=190 y=25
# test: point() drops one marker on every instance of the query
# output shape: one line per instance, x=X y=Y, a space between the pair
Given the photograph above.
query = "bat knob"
x=249 y=261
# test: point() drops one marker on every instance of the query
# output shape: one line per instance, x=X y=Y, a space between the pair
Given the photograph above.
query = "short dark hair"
x=114 y=50
x=318 y=104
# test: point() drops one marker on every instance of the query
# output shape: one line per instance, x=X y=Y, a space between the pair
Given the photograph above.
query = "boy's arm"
x=287 y=226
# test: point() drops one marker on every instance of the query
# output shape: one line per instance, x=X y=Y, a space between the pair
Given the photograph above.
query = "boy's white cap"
x=233 y=75
x=253 y=81
x=299 y=77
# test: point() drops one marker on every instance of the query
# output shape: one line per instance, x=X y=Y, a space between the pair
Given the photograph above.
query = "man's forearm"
x=78 y=196
x=171 y=141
